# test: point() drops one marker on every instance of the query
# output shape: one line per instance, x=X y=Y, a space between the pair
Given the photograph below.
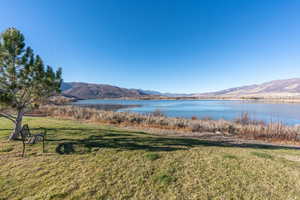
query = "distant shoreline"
x=262 y=100
x=106 y=107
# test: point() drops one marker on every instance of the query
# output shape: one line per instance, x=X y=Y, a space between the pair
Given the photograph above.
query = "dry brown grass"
x=244 y=127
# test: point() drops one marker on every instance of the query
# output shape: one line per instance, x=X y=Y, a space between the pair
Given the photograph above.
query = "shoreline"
x=107 y=107
x=243 y=128
x=259 y=100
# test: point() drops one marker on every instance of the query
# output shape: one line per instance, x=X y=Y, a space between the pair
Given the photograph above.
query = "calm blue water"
x=286 y=113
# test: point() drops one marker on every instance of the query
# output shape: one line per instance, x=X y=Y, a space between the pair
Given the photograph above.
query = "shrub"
x=180 y=123
x=245 y=119
x=196 y=128
x=157 y=113
x=194 y=118
x=207 y=118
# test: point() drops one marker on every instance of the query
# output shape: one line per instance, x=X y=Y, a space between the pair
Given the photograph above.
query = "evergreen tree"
x=24 y=80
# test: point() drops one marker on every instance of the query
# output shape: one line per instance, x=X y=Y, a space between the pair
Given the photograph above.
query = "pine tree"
x=24 y=80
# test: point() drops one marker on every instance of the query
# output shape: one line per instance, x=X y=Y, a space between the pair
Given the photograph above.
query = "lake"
x=216 y=109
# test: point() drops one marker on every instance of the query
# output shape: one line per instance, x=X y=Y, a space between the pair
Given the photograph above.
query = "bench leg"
x=23 y=152
x=43 y=144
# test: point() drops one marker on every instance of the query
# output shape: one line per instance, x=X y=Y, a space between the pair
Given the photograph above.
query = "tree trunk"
x=18 y=125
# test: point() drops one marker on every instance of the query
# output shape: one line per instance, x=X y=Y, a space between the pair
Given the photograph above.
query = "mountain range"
x=97 y=91
x=273 y=89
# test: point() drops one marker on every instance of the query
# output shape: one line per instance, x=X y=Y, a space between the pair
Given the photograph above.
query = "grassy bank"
x=88 y=161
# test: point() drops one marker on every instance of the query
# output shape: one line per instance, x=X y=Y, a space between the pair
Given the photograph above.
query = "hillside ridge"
x=275 y=88
x=283 y=88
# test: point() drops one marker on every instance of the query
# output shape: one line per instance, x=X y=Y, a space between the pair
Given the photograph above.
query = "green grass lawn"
x=87 y=161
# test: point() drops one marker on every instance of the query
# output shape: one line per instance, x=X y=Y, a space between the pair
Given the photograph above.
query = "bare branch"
x=8 y=116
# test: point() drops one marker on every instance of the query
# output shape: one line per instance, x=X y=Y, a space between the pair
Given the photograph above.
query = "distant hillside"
x=165 y=94
x=272 y=89
x=94 y=91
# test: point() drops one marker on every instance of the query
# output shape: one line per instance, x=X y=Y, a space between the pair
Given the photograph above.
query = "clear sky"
x=166 y=45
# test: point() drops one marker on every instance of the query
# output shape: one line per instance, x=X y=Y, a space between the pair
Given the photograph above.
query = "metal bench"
x=28 y=138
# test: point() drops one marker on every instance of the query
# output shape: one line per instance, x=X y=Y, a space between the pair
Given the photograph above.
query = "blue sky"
x=166 y=45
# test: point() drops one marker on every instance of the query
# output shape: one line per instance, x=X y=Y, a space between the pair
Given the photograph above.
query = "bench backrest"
x=25 y=131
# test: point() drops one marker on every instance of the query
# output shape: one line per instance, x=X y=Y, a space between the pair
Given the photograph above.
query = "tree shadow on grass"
x=125 y=140
x=121 y=143
x=67 y=142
